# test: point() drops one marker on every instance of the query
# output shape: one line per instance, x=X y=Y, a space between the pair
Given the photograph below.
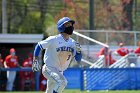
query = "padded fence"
x=74 y=78
x=97 y=79
x=104 y=78
x=111 y=79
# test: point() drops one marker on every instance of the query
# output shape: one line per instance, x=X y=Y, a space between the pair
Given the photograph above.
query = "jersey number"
x=68 y=57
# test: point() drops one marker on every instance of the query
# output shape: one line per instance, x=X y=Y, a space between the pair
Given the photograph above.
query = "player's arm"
x=40 y=46
x=5 y=65
x=116 y=52
x=5 y=62
x=36 y=66
x=78 y=55
x=36 y=52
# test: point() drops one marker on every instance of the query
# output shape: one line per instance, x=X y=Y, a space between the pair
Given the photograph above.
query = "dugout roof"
x=20 y=38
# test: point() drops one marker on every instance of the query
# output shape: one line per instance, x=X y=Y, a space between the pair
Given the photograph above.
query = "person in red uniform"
x=1 y=61
x=27 y=76
x=43 y=83
x=29 y=60
x=108 y=56
x=101 y=52
x=2 y=75
x=137 y=50
x=11 y=61
x=122 y=51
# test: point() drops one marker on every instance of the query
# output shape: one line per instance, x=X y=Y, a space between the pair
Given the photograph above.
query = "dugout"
x=23 y=44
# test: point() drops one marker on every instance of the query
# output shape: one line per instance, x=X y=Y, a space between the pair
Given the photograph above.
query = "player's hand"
x=78 y=48
x=36 y=66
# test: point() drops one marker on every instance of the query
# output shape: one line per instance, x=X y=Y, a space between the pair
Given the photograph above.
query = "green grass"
x=78 y=91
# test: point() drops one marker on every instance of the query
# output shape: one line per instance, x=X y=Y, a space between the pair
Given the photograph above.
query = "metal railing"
x=111 y=36
x=130 y=60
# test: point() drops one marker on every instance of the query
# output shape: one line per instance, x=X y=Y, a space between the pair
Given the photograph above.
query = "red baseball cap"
x=121 y=44
x=12 y=50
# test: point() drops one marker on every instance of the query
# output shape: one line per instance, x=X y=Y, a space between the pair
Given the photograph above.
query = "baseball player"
x=122 y=51
x=11 y=61
x=60 y=50
x=26 y=77
x=1 y=61
x=137 y=50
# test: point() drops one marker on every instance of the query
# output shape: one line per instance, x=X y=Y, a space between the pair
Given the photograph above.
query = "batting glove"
x=36 y=66
x=78 y=48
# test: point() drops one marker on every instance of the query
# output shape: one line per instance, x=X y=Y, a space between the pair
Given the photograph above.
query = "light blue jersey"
x=59 y=51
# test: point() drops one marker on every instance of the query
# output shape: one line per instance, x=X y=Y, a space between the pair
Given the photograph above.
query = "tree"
x=77 y=10
x=26 y=16
x=127 y=22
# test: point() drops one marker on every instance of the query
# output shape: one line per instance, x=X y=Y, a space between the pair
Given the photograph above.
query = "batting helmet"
x=62 y=21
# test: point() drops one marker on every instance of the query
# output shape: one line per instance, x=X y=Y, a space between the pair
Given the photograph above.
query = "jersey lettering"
x=69 y=56
x=64 y=48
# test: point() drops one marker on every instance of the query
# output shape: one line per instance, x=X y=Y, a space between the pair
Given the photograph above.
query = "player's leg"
x=61 y=84
x=58 y=80
x=50 y=82
x=50 y=86
x=10 y=80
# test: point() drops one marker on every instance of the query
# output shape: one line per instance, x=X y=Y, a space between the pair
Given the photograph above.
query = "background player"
x=60 y=49
x=27 y=80
x=11 y=61
x=122 y=51
x=137 y=50
x=1 y=61
x=43 y=83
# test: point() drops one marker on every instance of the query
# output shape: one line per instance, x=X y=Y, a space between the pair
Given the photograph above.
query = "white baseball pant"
x=10 y=80
x=55 y=79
